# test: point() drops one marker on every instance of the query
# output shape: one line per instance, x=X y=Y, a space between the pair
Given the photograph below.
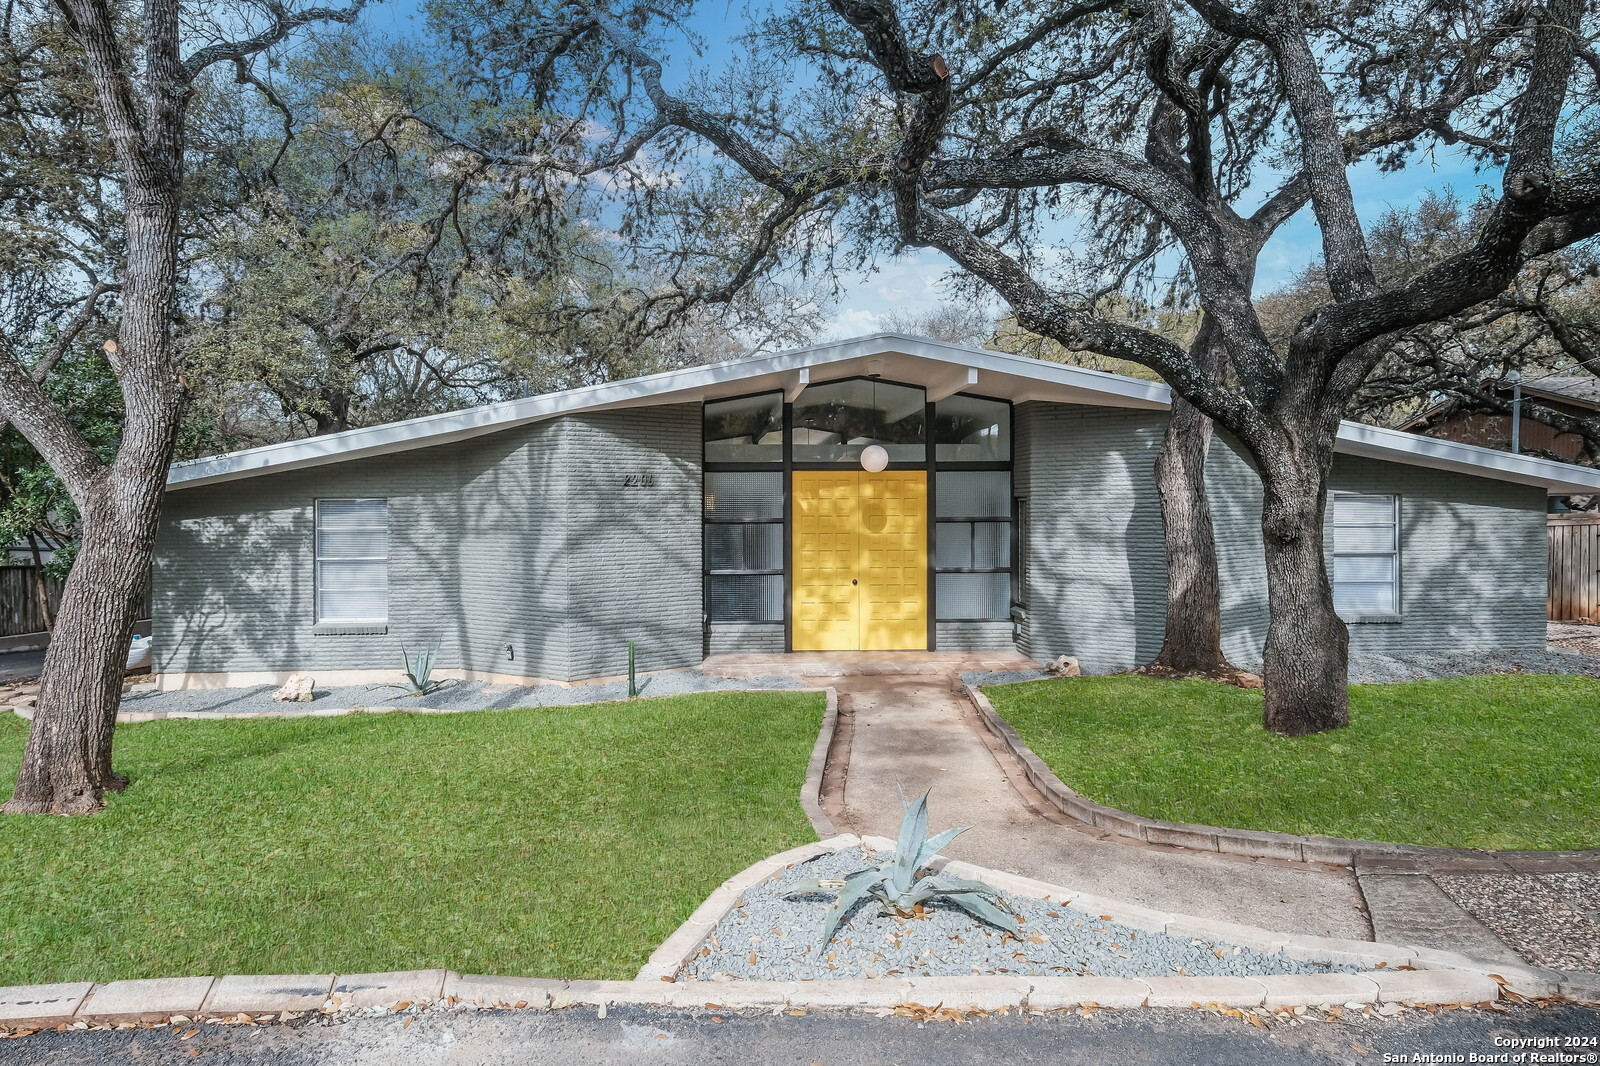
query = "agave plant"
x=418 y=669
x=896 y=886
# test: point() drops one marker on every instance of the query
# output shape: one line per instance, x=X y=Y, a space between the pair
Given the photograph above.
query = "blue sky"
x=913 y=283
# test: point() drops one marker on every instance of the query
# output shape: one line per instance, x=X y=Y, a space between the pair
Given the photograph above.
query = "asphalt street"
x=634 y=1036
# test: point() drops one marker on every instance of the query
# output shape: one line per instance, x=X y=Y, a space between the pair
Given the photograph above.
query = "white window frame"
x=316 y=552
x=1367 y=614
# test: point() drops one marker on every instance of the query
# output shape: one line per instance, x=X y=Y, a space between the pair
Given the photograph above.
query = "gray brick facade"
x=564 y=539
x=1472 y=555
x=541 y=550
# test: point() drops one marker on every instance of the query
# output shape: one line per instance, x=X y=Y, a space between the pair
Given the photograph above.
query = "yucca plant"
x=418 y=670
x=897 y=887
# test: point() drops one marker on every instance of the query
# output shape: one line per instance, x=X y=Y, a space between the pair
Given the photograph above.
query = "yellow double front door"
x=860 y=566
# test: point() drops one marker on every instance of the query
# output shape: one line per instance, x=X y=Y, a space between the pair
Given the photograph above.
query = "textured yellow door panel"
x=859 y=570
x=826 y=612
x=894 y=560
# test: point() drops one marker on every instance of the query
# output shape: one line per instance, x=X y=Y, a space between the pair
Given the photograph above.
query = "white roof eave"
x=1020 y=377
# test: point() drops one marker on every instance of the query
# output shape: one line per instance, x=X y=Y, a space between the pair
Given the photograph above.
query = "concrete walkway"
x=917 y=732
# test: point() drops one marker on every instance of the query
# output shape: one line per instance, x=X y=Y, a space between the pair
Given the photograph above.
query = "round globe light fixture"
x=874 y=457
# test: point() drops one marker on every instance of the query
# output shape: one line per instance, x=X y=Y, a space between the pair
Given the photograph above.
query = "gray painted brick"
x=526 y=537
x=1473 y=564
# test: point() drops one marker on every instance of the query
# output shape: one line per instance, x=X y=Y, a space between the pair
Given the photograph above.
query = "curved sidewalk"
x=918 y=732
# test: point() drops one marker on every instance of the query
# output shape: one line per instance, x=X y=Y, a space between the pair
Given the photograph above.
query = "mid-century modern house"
x=880 y=494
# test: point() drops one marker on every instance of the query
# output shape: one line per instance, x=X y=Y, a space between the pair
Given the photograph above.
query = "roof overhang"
x=944 y=369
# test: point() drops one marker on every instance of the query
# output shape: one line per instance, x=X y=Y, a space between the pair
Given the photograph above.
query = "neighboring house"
x=726 y=509
x=1578 y=396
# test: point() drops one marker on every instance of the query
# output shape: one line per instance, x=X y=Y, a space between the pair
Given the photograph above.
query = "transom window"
x=1366 y=553
x=833 y=422
x=970 y=429
x=745 y=430
x=352 y=553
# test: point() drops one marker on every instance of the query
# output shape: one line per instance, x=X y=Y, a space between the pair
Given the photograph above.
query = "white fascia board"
x=1037 y=380
x=673 y=386
x=1398 y=446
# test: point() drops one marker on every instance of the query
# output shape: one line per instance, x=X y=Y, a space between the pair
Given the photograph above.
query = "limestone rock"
x=298 y=689
x=1065 y=666
x=1245 y=679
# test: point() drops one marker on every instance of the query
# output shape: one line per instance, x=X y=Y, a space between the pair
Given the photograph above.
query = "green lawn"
x=564 y=842
x=1503 y=761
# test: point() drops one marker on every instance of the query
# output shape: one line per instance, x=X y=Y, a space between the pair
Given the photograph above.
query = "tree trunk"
x=66 y=766
x=1307 y=657
x=1192 y=644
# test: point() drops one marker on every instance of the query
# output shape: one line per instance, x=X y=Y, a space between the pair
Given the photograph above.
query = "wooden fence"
x=1574 y=568
x=20 y=610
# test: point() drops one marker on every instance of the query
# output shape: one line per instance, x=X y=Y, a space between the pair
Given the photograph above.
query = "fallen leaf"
x=407 y=1023
x=190 y=1034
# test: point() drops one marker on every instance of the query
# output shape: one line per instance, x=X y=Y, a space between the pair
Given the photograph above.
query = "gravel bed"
x=1552 y=920
x=1377 y=669
x=768 y=938
x=454 y=695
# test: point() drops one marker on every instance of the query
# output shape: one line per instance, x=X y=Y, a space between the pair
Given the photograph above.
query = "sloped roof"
x=944 y=369
x=1584 y=389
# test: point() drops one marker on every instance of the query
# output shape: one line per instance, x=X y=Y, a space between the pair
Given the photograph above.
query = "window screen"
x=352 y=552
x=1366 y=553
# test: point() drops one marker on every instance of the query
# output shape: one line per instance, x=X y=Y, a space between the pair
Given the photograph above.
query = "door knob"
x=853 y=581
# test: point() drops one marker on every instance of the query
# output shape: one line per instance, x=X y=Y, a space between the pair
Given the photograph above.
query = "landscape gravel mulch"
x=453 y=695
x=770 y=938
x=1366 y=668
x=1552 y=920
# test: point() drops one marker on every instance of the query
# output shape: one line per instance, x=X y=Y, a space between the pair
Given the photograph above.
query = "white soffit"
x=944 y=368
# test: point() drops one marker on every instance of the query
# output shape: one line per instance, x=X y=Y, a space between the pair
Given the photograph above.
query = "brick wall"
x=1473 y=566
x=526 y=537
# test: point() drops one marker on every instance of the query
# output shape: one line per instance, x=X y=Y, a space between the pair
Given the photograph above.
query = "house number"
x=638 y=481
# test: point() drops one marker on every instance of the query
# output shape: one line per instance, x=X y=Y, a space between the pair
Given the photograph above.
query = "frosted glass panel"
x=973 y=493
x=970 y=430
x=953 y=546
x=746 y=598
x=991 y=545
x=972 y=545
x=753 y=547
x=744 y=495
x=974 y=596
x=746 y=430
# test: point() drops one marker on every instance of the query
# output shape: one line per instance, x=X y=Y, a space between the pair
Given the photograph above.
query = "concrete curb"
x=811 y=791
x=1264 y=845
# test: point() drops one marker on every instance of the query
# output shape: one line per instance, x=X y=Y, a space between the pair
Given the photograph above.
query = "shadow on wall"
x=633 y=542
x=1098 y=575
x=235 y=572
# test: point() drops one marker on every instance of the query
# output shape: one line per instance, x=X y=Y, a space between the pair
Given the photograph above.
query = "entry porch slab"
x=846 y=663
